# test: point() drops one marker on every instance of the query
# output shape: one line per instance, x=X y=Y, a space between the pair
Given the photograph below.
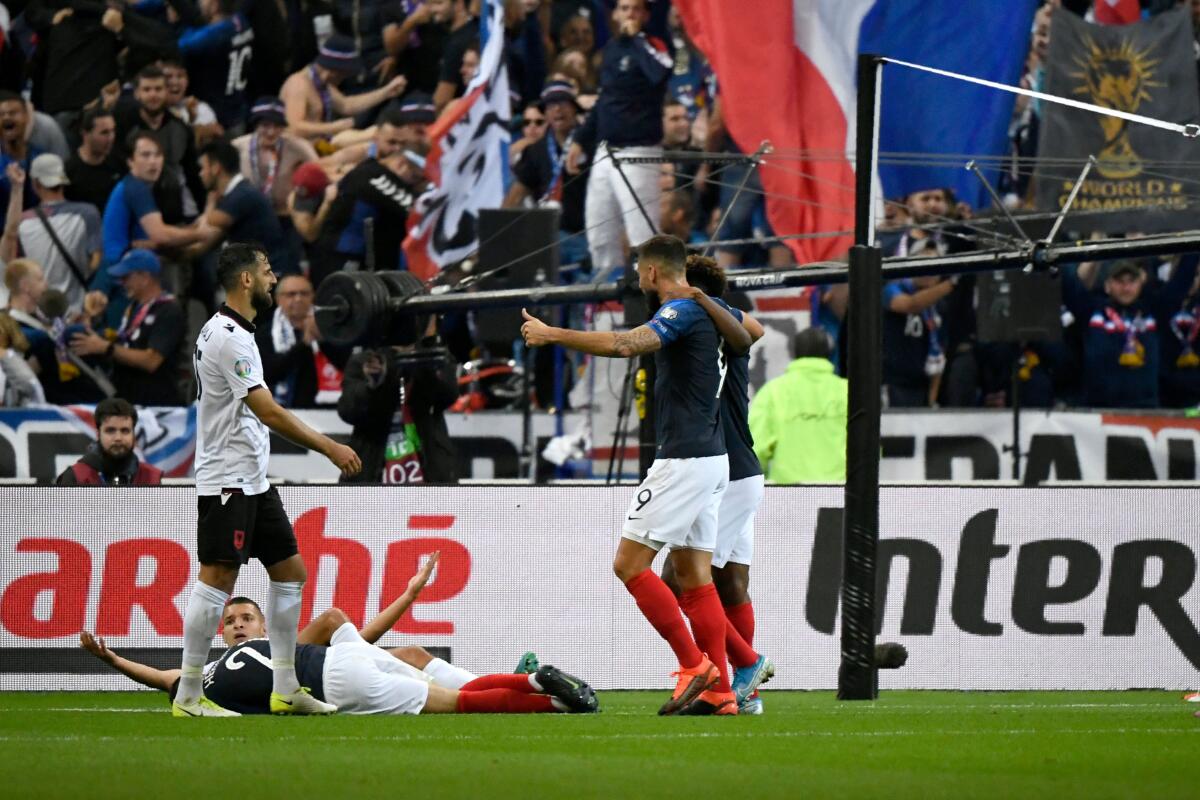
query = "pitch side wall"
x=989 y=588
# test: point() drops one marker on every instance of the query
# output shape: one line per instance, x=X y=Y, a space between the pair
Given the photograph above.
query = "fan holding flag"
x=467 y=162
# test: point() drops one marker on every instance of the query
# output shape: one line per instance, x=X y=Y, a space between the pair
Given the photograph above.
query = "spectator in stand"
x=111 y=460
x=362 y=21
x=78 y=48
x=192 y=110
x=285 y=37
x=238 y=211
x=402 y=125
x=924 y=208
x=92 y=171
x=18 y=384
x=131 y=216
x=464 y=29
x=678 y=216
x=269 y=157
x=540 y=176
x=913 y=345
x=1121 y=349
x=316 y=109
x=178 y=189
x=63 y=236
x=369 y=215
x=469 y=64
x=14 y=147
x=415 y=35
x=677 y=136
x=524 y=52
x=628 y=115
x=532 y=130
x=144 y=356
x=217 y=57
x=44 y=133
x=798 y=420
x=562 y=23
x=398 y=413
x=298 y=367
x=310 y=203
x=575 y=66
x=26 y=285
x=1179 y=386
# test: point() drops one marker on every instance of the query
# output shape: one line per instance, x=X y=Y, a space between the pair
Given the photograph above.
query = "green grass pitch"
x=908 y=744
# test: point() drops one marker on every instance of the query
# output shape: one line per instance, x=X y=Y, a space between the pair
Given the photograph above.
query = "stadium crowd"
x=136 y=138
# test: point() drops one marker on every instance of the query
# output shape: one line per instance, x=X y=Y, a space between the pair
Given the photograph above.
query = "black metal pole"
x=860 y=526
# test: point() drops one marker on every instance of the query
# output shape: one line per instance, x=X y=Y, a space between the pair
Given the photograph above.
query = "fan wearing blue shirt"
x=676 y=505
x=237 y=210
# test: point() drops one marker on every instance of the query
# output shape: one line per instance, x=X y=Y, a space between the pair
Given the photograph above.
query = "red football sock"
x=741 y=654
x=742 y=618
x=661 y=609
x=517 y=683
x=703 y=608
x=503 y=701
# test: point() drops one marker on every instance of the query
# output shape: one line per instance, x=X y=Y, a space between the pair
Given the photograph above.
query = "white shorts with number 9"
x=677 y=504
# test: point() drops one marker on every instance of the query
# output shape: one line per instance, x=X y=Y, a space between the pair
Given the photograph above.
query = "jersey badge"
x=669 y=313
x=242 y=367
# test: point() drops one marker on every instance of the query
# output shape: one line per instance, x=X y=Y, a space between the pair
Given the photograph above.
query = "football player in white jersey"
x=240 y=514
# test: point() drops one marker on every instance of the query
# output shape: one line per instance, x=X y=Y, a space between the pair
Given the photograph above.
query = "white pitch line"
x=840 y=709
x=628 y=736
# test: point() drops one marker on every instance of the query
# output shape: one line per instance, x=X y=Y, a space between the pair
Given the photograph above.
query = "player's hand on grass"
x=344 y=458
x=535 y=332
x=418 y=581
x=95 y=645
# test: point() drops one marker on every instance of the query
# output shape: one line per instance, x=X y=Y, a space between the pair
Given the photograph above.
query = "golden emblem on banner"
x=1117 y=77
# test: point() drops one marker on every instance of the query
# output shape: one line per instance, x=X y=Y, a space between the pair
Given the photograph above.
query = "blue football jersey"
x=735 y=411
x=241 y=679
x=691 y=369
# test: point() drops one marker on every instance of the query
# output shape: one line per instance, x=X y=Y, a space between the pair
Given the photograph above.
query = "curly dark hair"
x=705 y=275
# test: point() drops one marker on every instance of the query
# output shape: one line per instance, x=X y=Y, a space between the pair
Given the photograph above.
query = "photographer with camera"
x=396 y=397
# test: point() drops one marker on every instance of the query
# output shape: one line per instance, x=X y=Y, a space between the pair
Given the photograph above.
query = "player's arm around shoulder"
x=730 y=327
x=288 y=425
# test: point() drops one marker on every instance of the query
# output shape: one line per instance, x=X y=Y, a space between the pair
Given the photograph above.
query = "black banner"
x=1149 y=68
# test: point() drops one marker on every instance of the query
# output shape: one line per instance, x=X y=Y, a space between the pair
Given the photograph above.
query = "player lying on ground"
x=676 y=505
x=342 y=665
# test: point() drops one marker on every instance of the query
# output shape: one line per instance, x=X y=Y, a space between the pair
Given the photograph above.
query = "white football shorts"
x=676 y=505
x=735 y=521
x=361 y=678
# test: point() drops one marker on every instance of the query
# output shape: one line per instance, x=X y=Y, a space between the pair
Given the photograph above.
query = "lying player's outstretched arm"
x=732 y=331
x=639 y=341
x=146 y=676
x=288 y=425
x=324 y=625
x=383 y=623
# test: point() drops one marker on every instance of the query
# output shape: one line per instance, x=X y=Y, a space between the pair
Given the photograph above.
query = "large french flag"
x=787 y=74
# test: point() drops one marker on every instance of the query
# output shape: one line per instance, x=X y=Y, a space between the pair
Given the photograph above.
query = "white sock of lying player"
x=447 y=675
x=283 y=618
x=199 y=626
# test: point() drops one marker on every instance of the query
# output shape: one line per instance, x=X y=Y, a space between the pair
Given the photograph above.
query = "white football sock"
x=283 y=617
x=200 y=623
x=447 y=675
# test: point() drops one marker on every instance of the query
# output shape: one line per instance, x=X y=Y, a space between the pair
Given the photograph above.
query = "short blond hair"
x=18 y=270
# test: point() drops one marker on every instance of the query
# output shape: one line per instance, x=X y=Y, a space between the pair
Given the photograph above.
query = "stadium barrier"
x=932 y=445
x=989 y=588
